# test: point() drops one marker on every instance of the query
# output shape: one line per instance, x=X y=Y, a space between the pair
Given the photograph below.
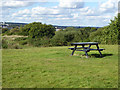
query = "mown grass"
x=53 y=67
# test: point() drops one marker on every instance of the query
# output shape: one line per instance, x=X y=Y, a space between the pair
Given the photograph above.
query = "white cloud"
x=22 y=12
x=45 y=10
x=119 y=6
x=72 y=4
x=43 y=13
x=109 y=7
x=89 y=12
x=15 y=4
x=86 y=11
x=66 y=13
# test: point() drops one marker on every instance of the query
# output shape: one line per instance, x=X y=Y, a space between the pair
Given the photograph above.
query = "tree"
x=107 y=34
x=13 y=31
x=38 y=33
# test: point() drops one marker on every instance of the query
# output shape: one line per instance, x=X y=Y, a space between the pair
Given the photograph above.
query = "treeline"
x=45 y=35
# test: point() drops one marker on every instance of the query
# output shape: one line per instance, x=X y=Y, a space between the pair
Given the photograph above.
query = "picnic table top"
x=85 y=43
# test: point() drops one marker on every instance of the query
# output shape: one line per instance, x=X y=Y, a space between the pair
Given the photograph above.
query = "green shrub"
x=16 y=46
x=21 y=38
x=64 y=38
x=45 y=42
x=4 y=30
x=24 y=42
x=7 y=44
x=4 y=44
x=14 y=31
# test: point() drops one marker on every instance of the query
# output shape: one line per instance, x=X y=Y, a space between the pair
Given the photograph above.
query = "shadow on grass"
x=98 y=55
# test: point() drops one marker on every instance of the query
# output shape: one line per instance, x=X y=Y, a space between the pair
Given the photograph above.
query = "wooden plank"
x=85 y=43
x=97 y=49
x=78 y=48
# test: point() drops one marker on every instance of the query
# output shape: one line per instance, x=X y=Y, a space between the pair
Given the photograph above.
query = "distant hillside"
x=63 y=27
x=14 y=24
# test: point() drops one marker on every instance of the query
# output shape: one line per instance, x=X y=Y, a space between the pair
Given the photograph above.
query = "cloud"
x=63 y=13
x=108 y=7
x=87 y=11
x=45 y=11
x=22 y=12
x=119 y=6
x=71 y=4
x=15 y=4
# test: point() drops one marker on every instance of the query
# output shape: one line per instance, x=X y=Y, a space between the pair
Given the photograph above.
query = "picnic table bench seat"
x=78 y=48
x=86 y=49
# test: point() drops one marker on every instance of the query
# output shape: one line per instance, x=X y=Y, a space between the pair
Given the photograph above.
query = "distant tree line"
x=45 y=35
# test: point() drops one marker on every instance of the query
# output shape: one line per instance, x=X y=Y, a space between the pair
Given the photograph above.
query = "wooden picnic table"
x=85 y=49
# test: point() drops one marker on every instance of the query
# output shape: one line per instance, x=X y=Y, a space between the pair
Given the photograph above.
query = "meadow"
x=53 y=67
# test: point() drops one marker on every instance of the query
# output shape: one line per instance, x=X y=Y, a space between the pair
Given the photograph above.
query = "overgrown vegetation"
x=44 y=35
x=70 y=34
x=14 y=42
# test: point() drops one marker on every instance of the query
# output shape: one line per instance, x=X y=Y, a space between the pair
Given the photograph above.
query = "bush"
x=24 y=42
x=37 y=32
x=16 y=46
x=21 y=38
x=4 y=30
x=64 y=38
x=45 y=42
x=10 y=44
x=4 y=44
x=58 y=39
x=14 y=31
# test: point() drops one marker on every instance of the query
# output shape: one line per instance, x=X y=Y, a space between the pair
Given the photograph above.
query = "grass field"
x=53 y=67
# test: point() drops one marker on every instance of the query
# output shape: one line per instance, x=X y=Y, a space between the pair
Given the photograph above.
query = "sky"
x=60 y=12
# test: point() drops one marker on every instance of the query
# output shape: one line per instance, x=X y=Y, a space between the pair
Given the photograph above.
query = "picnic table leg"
x=86 y=54
x=86 y=51
x=89 y=46
x=74 y=50
x=99 y=50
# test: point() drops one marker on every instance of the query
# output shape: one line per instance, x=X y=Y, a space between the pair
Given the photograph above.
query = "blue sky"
x=60 y=12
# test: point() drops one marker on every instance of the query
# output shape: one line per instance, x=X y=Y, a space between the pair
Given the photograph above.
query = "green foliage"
x=107 y=34
x=23 y=42
x=44 y=35
x=45 y=41
x=8 y=43
x=70 y=34
x=4 y=30
x=21 y=38
x=118 y=25
x=59 y=39
x=93 y=29
x=70 y=29
x=4 y=44
x=37 y=33
x=14 y=31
